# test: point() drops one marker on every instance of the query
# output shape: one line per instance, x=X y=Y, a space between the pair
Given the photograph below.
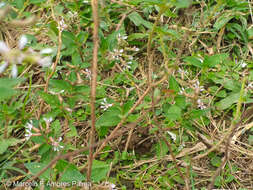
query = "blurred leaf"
x=99 y=170
x=173 y=113
x=211 y=61
x=35 y=167
x=195 y=61
x=110 y=118
x=5 y=143
x=223 y=20
x=228 y=101
x=71 y=174
x=161 y=149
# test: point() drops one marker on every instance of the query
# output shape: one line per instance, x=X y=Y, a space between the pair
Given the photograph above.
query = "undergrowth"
x=173 y=100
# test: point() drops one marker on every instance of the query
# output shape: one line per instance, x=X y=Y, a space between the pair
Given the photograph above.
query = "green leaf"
x=211 y=61
x=216 y=161
x=182 y=3
x=173 y=113
x=173 y=84
x=6 y=92
x=228 y=101
x=135 y=36
x=223 y=20
x=110 y=118
x=195 y=61
x=71 y=174
x=35 y=167
x=50 y=99
x=61 y=85
x=138 y=20
x=99 y=170
x=161 y=149
x=4 y=144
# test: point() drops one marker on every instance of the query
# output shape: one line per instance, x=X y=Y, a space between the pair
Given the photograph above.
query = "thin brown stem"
x=94 y=4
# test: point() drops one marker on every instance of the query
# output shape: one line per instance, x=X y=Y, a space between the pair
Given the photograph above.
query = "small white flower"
x=250 y=85
x=46 y=51
x=22 y=42
x=62 y=25
x=105 y=105
x=3 y=67
x=197 y=87
x=201 y=104
x=88 y=74
x=28 y=130
x=85 y=1
x=28 y=134
x=14 y=71
x=56 y=145
x=182 y=90
x=128 y=65
x=48 y=120
x=2 y=4
x=45 y=61
x=172 y=135
x=136 y=49
x=29 y=125
x=4 y=48
x=122 y=37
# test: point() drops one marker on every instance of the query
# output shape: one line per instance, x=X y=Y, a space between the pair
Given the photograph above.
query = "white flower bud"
x=46 y=51
x=3 y=67
x=3 y=47
x=14 y=71
x=45 y=62
x=22 y=42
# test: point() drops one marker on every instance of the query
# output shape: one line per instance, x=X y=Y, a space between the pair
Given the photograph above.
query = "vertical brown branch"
x=94 y=4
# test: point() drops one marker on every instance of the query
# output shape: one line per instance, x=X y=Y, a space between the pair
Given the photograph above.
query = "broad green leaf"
x=182 y=3
x=4 y=144
x=60 y=85
x=35 y=167
x=211 y=61
x=228 y=101
x=110 y=118
x=173 y=84
x=161 y=149
x=223 y=20
x=136 y=18
x=173 y=113
x=216 y=161
x=195 y=61
x=99 y=170
x=50 y=99
x=135 y=36
x=71 y=174
x=6 y=92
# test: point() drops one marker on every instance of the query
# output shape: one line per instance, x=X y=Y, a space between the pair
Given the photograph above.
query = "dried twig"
x=94 y=4
x=229 y=136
